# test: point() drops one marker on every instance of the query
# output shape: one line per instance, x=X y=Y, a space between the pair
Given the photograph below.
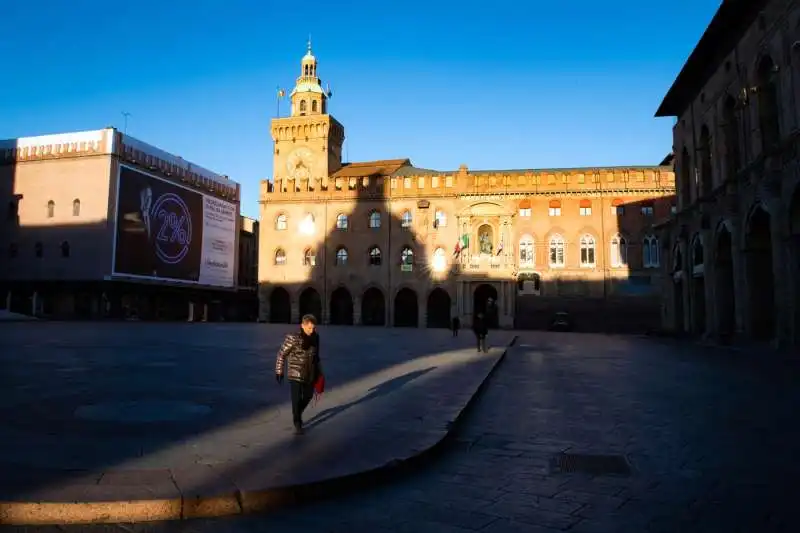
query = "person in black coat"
x=299 y=359
x=455 y=325
x=481 y=330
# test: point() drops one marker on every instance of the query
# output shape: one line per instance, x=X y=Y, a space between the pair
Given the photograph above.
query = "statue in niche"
x=485 y=239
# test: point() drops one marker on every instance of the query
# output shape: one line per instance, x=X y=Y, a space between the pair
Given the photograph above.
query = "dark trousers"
x=455 y=332
x=301 y=396
x=481 y=340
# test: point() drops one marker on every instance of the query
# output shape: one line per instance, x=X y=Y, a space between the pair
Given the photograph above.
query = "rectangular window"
x=526 y=212
x=586 y=211
x=647 y=210
x=448 y=181
x=617 y=210
x=434 y=181
x=673 y=209
x=407 y=183
x=555 y=211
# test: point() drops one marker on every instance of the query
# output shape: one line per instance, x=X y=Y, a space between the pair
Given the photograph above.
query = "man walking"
x=299 y=356
x=480 y=330
x=455 y=326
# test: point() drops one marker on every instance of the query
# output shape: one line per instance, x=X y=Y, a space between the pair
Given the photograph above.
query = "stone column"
x=205 y=312
x=8 y=301
x=34 y=303
x=422 y=311
x=191 y=312
x=263 y=306
x=295 y=312
x=357 y=310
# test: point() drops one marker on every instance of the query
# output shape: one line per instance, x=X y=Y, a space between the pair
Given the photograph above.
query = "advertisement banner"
x=172 y=233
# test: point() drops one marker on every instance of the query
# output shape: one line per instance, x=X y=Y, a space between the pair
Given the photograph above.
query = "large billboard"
x=172 y=233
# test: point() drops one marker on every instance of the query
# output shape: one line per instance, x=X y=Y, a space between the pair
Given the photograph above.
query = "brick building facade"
x=387 y=243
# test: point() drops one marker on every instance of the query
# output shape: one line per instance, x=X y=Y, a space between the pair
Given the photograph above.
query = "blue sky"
x=501 y=84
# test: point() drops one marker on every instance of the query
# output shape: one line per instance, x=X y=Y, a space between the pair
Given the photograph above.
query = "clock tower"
x=308 y=143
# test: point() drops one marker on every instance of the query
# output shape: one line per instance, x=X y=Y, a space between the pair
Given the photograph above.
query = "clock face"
x=299 y=163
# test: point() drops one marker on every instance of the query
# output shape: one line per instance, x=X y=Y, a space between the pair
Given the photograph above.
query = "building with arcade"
x=389 y=243
x=99 y=224
x=732 y=257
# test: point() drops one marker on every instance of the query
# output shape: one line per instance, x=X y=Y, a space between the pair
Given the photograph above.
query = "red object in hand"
x=319 y=387
x=319 y=384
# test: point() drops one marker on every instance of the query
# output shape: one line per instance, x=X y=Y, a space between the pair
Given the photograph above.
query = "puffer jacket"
x=301 y=365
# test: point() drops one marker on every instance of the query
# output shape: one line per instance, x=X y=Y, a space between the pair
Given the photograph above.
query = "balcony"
x=491 y=266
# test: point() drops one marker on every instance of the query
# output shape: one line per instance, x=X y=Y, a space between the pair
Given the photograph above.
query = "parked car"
x=561 y=321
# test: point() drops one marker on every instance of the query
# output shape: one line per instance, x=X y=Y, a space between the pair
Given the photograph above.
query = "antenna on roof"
x=125 y=116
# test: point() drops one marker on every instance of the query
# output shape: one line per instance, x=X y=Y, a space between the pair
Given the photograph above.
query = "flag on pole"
x=462 y=243
x=281 y=93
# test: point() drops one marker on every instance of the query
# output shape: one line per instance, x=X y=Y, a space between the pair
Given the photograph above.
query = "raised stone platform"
x=137 y=421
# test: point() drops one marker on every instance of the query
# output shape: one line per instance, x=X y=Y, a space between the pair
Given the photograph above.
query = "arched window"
x=527 y=255
x=307 y=226
x=619 y=251
x=556 y=251
x=650 y=252
x=768 y=117
x=587 y=250
x=697 y=252
x=341 y=222
x=439 y=263
x=375 y=256
x=309 y=258
x=302 y=105
x=730 y=128
x=65 y=249
x=406 y=220
x=38 y=249
x=280 y=257
x=76 y=207
x=375 y=220
x=314 y=106
x=281 y=222
x=439 y=219
x=51 y=209
x=407 y=258
x=706 y=184
x=341 y=256
x=685 y=182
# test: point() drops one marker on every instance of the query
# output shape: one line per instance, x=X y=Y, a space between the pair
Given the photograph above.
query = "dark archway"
x=406 y=309
x=373 y=308
x=794 y=261
x=310 y=304
x=280 y=306
x=698 y=288
x=341 y=307
x=724 y=288
x=760 y=280
x=438 y=309
x=485 y=301
x=677 y=292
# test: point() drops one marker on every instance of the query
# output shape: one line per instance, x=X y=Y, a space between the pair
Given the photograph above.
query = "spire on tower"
x=309 y=43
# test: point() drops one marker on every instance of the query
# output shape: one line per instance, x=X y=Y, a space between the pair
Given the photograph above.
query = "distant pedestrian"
x=299 y=356
x=455 y=326
x=480 y=330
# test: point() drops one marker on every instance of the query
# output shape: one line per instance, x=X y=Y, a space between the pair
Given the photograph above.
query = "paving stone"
x=710 y=441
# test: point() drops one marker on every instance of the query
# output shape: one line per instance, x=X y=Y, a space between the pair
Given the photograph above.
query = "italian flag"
x=462 y=243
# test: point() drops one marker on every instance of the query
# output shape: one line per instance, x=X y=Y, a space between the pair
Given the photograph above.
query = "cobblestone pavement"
x=121 y=412
x=711 y=437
